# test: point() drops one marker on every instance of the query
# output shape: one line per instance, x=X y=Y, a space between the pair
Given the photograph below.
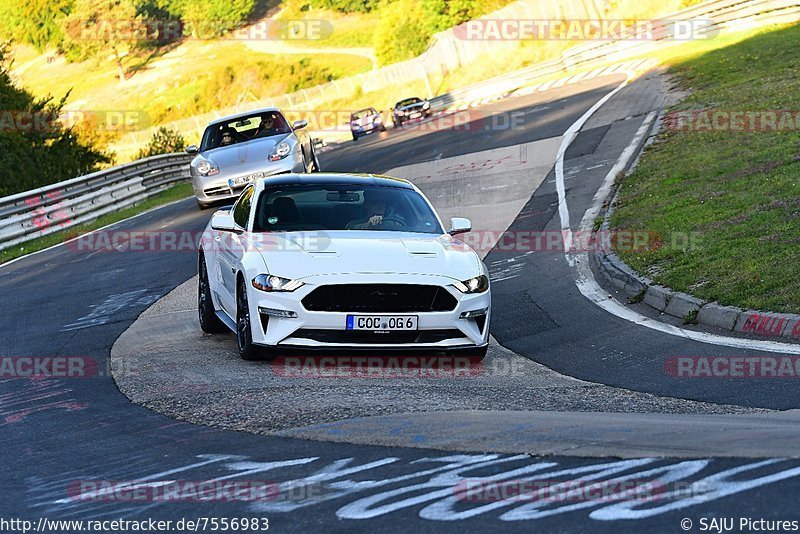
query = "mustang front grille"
x=380 y=298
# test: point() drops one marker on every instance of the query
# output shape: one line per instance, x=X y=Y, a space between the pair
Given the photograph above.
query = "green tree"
x=402 y=32
x=32 y=156
x=36 y=22
x=407 y=26
x=99 y=27
x=211 y=18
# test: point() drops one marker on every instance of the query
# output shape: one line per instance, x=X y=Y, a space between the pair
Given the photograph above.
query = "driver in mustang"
x=376 y=211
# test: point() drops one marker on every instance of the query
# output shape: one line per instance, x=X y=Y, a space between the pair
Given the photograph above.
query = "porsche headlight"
x=206 y=168
x=478 y=284
x=270 y=282
x=280 y=152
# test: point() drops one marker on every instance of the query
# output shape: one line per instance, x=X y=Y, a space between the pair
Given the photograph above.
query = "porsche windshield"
x=245 y=128
x=344 y=207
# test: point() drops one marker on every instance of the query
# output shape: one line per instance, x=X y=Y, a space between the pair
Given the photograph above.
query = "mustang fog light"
x=283 y=314
x=473 y=313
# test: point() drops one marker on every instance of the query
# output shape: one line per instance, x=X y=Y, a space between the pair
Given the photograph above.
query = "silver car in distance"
x=239 y=149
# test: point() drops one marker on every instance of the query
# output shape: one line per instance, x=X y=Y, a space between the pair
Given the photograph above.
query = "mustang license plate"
x=383 y=323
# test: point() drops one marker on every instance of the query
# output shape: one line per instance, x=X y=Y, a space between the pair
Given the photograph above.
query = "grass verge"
x=170 y=194
x=726 y=204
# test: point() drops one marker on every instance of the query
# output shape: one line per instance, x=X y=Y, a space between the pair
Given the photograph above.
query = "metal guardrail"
x=60 y=206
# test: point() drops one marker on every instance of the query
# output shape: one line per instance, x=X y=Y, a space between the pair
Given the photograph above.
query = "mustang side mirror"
x=223 y=220
x=191 y=149
x=459 y=225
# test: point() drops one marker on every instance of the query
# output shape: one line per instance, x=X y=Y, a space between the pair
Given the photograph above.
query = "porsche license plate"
x=244 y=180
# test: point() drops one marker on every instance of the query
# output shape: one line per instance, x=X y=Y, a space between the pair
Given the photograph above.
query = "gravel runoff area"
x=165 y=363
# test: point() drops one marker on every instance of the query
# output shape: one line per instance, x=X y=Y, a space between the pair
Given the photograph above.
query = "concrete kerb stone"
x=658 y=297
x=714 y=314
x=768 y=324
x=684 y=306
x=792 y=329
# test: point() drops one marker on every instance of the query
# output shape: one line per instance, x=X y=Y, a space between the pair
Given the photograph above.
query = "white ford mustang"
x=342 y=262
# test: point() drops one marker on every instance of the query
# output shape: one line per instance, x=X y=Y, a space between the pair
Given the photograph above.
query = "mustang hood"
x=302 y=255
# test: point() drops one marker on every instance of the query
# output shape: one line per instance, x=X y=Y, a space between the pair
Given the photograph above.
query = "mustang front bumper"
x=282 y=319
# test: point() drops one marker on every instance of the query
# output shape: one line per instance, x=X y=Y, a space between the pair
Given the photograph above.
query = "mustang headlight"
x=270 y=282
x=280 y=152
x=400 y=113
x=206 y=168
x=479 y=284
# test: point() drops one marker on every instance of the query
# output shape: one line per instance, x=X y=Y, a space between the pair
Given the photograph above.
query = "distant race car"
x=341 y=262
x=241 y=148
x=365 y=122
x=409 y=109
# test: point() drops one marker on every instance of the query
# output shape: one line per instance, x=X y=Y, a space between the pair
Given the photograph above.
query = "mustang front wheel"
x=244 y=338
x=209 y=322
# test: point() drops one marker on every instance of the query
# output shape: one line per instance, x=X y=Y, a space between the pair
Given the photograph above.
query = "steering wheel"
x=394 y=222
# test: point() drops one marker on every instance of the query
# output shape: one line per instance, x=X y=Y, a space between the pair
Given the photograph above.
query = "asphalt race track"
x=72 y=302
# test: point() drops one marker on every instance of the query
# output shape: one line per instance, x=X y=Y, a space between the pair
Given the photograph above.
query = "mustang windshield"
x=343 y=207
x=244 y=129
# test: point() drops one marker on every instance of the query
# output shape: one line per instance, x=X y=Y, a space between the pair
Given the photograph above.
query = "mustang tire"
x=209 y=322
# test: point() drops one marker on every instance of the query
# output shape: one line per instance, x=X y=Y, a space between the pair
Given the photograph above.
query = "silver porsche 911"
x=238 y=149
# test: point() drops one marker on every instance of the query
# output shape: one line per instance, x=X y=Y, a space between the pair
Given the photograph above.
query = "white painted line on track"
x=585 y=280
x=569 y=137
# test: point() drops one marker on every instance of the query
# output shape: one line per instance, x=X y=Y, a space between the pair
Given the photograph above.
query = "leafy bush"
x=164 y=141
x=221 y=85
x=36 y=22
x=40 y=156
x=342 y=6
x=211 y=18
x=407 y=26
x=402 y=32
